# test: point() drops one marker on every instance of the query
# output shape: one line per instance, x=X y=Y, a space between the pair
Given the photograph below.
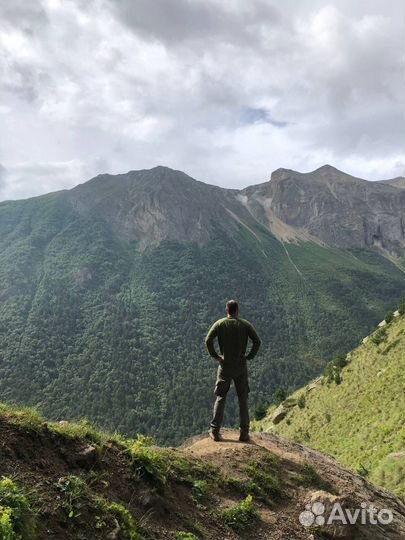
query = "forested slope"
x=92 y=323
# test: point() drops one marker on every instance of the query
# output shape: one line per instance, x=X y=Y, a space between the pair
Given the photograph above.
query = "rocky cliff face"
x=396 y=182
x=325 y=206
x=334 y=207
x=150 y=206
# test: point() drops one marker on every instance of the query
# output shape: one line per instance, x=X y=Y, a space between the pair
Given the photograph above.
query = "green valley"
x=107 y=292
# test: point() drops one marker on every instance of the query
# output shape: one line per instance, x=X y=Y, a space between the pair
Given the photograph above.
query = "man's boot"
x=244 y=436
x=215 y=434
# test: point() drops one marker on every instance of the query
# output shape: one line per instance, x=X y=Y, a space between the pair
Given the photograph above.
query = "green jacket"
x=233 y=334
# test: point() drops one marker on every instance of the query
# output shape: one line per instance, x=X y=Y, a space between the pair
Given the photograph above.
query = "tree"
x=260 y=411
x=279 y=395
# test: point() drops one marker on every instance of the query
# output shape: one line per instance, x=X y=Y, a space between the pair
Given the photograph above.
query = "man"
x=232 y=334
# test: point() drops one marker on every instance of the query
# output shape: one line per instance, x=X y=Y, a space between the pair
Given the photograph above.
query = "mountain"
x=152 y=206
x=398 y=182
x=336 y=208
x=69 y=482
x=360 y=420
x=107 y=291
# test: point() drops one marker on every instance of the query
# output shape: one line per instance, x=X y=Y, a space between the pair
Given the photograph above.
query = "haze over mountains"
x=107 y=290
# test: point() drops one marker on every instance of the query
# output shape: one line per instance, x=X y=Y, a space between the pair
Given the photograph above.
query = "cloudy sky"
x=225 y=90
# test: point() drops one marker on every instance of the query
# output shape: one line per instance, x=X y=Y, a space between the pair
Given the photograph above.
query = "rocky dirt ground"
x=181 y=494
x=334 y=484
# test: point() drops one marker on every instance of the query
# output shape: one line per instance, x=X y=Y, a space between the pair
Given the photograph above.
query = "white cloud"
x=20 y=179
x=226 y=91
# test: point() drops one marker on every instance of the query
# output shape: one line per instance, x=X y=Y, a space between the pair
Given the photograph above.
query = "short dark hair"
x=232 y=307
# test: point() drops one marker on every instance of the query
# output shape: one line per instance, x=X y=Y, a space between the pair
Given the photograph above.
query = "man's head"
x=232 y=308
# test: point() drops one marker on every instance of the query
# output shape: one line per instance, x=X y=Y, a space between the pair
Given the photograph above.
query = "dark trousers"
x=222 y=387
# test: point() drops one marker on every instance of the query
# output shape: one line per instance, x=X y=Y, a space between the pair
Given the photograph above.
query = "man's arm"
x=209 y=341
x=255 y=340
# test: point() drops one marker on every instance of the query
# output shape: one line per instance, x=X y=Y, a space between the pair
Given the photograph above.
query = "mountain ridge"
x=325 y=206
x=107 y=292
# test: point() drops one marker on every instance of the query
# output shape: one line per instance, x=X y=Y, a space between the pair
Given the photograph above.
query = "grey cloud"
x=2 y=176
x=31 y=179
x=25 y=81
x=178 y=21
x=28 y=16
x=251 y=115
x=225 y=90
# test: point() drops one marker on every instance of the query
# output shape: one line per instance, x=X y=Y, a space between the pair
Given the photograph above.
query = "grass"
x=83 y=431
x=79 y=499
x=240 y=516
x=200 y=491
x=17 y=518
x=359 y=421
x=260 y=477
x=27 y=417
x=149 y=462
x=75 y=494
x=125 y=520
x=309 y=478
x=264 y=477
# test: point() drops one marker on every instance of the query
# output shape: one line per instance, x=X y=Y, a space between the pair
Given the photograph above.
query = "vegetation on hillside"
x=91 y=327
x=355 y=412
x=71 y=482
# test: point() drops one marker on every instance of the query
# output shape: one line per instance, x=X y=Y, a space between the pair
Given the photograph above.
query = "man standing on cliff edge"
x=232 y=334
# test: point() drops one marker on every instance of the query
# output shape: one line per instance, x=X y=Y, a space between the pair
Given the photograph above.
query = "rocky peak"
x=398 y=182
x=325 y=205
x=334 y=207
x=152 y=205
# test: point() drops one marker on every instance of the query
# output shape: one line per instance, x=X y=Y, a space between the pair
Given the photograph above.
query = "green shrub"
x=401 y=307
x=147 y=462
x=379 y=336
x=17 y=520
x=185 y=536
x=6 y=524
x=279 y=396
x=363 y=471
x=240 y=516
x=334 y=369
x=125 y=520
x=389 y=317
x=301 y=401
x=260 y=411
x=75 y=495
x=264 y=478
x=107 y=510
x=200 y=488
